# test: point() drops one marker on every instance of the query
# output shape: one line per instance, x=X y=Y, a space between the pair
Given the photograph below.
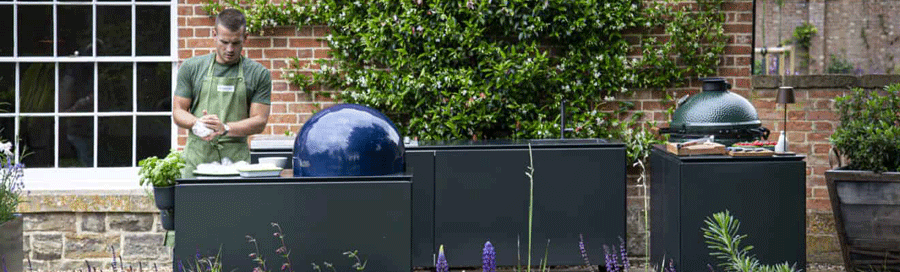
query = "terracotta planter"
x=164 y=197
x=11 y=254
x=866 y=210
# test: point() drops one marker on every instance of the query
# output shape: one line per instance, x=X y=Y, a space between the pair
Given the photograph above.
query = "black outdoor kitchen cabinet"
x=322 y=217
x=466 y=193
x=766 y=194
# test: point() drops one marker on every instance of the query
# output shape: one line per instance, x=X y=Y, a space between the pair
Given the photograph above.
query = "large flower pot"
x=866 y=210
x=164 y=197
x=11 y=254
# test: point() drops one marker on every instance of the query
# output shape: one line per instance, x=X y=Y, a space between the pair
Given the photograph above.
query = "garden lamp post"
x=785 y=96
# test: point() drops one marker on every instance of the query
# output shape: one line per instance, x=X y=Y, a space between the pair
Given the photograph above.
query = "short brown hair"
x=231 y=19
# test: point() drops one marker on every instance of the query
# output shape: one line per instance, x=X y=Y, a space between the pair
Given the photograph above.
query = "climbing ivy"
x=486 y=69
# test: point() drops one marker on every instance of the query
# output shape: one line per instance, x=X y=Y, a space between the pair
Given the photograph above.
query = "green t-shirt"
x=193 y=71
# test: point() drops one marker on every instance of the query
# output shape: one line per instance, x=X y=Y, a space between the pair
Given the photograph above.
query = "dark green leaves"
x=869 y=129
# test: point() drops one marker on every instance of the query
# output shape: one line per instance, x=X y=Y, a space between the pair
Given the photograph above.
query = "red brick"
x=822 y=115
x=283 y=118
x=304 y=54
x=794 y=115
x=279 y=87
x=258 y=42
x=746 y=17
x=185 y=10
x=279 y=42
x=818 y=137
x=265 y=63
x=763 y=104
x=306 y=42
x=742 y=61
x=185 y=32
x=279 y=108
x=793 y=137
x=321 y=31
x=809 y=192
x=322 y=54
x=185 y=53
x=737 y=50
x=799 y=126
x=281 y=129
x=814 y=181
x=199 y=42
x=824 y=126
x=202 y=32
x=283 y=97
x=821 y=148
x=198 y=10
x=651 y=105
x=201 y=21
x=734 y=72
x=739 y=6
x=818 y=204
x=738 y=28
x=279 y=53
x=305 y=31
x=182 y=21
x=253 y=53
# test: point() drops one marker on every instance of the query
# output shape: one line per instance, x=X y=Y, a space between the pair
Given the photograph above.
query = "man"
x=221 y=98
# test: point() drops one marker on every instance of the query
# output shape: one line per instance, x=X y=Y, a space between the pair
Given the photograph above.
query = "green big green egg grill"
x=715 y=111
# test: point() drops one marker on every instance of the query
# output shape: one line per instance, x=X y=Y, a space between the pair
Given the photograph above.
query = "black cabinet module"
x=766 y=194
x=467 y=193
x=321 y=217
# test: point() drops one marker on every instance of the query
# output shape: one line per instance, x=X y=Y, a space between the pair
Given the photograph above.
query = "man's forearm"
x=183 y=118
x=247 y=127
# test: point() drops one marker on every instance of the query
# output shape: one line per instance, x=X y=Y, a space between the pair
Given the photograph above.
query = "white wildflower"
x=6 y=148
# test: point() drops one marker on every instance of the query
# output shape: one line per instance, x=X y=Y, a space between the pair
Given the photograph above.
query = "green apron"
x=225 y=97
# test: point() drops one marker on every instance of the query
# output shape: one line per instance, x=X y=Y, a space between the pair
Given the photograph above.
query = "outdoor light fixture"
x=785 y=96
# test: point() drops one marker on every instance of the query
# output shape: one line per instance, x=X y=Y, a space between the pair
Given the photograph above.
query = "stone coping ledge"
x=824 y=81
x=42 y=201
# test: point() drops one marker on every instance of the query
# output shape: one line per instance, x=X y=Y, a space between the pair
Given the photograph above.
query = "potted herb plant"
x=161 y=174
x=865 y=194
x=11 y=187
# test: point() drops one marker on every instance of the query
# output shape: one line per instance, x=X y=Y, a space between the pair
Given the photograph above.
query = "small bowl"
x=277 y=161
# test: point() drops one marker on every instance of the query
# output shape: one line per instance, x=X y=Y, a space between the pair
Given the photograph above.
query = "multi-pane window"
x=86 y=83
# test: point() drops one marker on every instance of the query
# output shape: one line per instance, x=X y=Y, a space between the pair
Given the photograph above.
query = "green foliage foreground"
x=869 y=132
x=487 y=69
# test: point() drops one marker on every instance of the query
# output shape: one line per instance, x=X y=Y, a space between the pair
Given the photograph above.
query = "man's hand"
x=212 y=122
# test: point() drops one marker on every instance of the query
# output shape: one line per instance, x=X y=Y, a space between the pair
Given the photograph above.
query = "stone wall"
x=71 y=230
x=864 y=33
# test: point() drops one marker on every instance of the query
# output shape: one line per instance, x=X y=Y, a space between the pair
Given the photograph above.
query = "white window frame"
x=91 y=178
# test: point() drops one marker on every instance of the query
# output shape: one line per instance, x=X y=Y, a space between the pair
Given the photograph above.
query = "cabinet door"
x=482 y=195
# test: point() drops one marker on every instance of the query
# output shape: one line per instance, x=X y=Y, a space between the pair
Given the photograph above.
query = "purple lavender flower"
x=584 y=252
x=624 y=252
x=442 y=265
x=611 y=264
x=488 y=257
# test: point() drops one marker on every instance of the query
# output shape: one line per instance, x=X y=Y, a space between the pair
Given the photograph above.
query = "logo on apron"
x=225 y=88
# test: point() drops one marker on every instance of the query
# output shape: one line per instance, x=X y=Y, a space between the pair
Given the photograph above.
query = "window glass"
x=76 y=142
x=36 y=87
x=114 y=30
x=114 y=87
x=154 y=136
x=6 y=129
x=37 y=141
x=76 y=87
x=6 y=33
x=114 y=141
x=35 y=30
x=154 y=88
x=152 y=31
x=74 y=31
x=7 y=87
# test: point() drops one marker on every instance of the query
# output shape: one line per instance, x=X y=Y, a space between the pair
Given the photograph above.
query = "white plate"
x=202 y=173
x=253 y=174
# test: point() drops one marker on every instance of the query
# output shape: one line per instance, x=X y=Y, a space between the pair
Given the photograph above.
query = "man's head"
x=229 y=34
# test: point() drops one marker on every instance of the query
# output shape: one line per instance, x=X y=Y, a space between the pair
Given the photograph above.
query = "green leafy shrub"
x=161 y=172
x=839 y=65
x=803 y=34
x=869 y=132
x=486 y=69
x=721 y=233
